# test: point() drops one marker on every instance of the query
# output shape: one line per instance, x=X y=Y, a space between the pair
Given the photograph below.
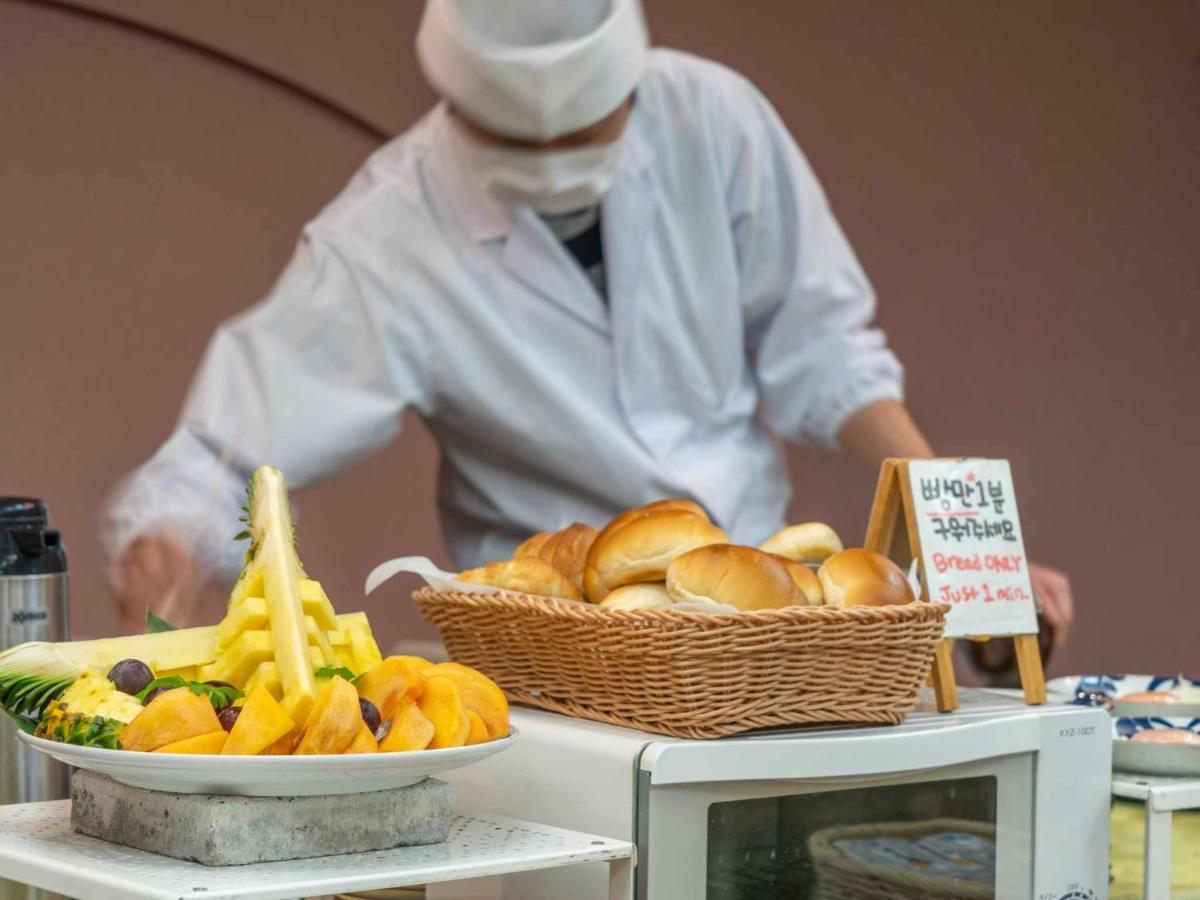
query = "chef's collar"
x=486 y=217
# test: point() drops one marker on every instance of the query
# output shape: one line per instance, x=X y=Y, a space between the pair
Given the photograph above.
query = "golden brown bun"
x=643 y=547
x=638 y=596
x=566 y=550
x=533 y=546
x=740 y=576
x=863 y=578
x=812 y=542
x=806 y=579
x=593 y=589
x=657 y=506
x=527 y=576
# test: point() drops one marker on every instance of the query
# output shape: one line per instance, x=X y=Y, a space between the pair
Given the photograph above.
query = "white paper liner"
x=441 y=580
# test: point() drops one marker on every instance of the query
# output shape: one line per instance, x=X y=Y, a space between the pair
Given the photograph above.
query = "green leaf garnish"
x=172 y=681
x=156 y=625
x=330 y=671
x=219 y=697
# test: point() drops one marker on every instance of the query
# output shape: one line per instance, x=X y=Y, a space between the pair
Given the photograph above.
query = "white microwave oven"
x=996 y=799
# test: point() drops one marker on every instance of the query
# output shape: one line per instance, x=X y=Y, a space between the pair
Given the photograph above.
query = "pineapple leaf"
x=23 y=689
x=26 y=725
x=23 y=698
x=53 y=691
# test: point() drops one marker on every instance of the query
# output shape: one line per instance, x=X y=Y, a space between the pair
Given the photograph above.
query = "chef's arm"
x=825 y=373
x=880 y=430
x=165 y=530
x=311 y=379
x=885 y=429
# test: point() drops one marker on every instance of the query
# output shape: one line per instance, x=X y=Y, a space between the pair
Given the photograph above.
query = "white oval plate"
x=268 y=776
x=1179 y=760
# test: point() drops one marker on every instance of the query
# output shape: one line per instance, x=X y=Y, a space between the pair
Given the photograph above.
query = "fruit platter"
x=283 y=697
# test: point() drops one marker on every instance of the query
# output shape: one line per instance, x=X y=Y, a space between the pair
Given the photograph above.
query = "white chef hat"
x=533 y=69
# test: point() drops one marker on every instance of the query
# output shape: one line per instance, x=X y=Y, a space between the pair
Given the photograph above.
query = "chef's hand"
x=1054 y=590
x=155 y=572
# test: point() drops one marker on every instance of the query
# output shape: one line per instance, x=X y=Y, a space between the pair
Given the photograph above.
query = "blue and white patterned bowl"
x=1180 y=760
x=1107 y=691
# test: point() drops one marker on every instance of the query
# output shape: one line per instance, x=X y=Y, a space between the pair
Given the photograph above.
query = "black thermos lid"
x=27 y=546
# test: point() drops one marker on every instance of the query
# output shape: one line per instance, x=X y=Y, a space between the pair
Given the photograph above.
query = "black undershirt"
x=587 y=247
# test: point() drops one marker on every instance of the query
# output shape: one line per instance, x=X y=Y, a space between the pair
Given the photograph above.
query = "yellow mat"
x=1128 y=845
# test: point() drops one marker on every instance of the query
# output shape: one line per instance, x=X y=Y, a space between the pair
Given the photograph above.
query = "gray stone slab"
x=231 y=831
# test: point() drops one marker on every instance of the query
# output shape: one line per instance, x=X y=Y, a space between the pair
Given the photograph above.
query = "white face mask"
x=550 y=181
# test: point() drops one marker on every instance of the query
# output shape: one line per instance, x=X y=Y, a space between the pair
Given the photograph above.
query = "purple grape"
x=370 y=714
x=219 y=684
x=130 y=676
x=228 y=716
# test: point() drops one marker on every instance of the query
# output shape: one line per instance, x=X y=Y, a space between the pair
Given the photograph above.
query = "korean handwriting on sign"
x=965 y=502
x=956 y=529
x=965 y=493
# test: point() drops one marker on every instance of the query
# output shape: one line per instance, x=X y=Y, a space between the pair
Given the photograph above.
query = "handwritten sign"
x=972 y=553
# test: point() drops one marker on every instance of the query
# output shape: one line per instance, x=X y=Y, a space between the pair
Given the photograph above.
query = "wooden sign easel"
x=892 y=531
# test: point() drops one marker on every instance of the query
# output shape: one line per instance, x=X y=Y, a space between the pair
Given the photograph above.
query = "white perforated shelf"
x=38 y=847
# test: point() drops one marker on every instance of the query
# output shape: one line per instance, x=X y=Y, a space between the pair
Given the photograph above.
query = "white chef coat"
x=736 y=309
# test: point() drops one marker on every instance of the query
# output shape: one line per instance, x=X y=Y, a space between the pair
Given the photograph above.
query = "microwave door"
x=968 y=826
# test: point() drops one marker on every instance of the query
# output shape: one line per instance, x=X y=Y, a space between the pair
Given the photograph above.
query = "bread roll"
x=677 y=503
x=638 y=596
x=740 y=576
x=566 y=550
x=642 y=549
x=812 y=542
x=863 y=578
x=806 y=579
x=532 y=546
x=526 y=576
x=592 y=587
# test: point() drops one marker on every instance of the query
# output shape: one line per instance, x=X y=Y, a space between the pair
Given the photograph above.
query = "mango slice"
x=364 y=742
x=172 y=716
x=334 y=721
x=479 y=694
x=210 y=743
x=443 y=706
x=395 y=679
x=411 y=729
x=261 y=723
x=282 y=747
x=478 y=731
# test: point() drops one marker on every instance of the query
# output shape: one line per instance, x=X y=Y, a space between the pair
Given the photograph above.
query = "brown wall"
x=1019 y=179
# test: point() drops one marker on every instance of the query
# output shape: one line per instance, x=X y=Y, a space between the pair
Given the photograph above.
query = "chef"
x=601 y=273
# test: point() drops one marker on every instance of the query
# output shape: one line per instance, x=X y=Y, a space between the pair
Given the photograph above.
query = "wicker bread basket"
x=841 y=878
x=694 y=674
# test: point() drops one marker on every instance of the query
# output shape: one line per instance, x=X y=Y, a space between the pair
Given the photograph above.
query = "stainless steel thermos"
x=33 y=607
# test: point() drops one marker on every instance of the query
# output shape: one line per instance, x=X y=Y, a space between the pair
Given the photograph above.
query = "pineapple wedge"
x=280 y=625
x=273 y=565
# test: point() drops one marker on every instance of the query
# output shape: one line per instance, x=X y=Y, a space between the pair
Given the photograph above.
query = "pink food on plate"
x=1167 y=736
x=1150 y=697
